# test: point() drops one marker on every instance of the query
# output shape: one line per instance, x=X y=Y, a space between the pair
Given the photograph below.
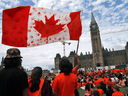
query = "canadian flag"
x=28 y=26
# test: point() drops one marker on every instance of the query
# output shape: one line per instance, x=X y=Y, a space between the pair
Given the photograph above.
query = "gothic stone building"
x=100 y=56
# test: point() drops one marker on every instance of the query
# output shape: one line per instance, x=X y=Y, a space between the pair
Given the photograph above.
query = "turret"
x=57 y=60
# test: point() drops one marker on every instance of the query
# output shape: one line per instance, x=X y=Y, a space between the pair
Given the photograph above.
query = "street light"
x=63 y=42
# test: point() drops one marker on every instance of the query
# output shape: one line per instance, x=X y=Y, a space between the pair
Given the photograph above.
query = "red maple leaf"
x=49 y=28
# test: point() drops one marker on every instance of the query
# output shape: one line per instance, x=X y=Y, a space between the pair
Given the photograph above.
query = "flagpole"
x=77 y=47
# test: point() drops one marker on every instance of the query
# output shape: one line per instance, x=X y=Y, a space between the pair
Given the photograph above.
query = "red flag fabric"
x=28 y=26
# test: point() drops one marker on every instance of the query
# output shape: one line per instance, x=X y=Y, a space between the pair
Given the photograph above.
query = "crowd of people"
x=16 y=82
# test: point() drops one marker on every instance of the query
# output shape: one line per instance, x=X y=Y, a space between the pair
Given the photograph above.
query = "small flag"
x=28 y=26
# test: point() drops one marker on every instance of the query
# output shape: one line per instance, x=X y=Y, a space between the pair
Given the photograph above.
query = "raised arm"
x=78 y=62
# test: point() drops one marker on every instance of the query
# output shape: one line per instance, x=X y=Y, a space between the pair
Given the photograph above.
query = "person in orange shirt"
x=115 y=71
x=117 y=92
x=106 y=80
x=65 y=83
x=36 y=82
x=111 y=83
x=126 y=70
x=84 y=82
x=122 y=82
x=100 y=90
x=99 y=72
x=88 y=90
x=92 y=73
x=85 y=73
x=104 y=70
x=95 y=83
x=99 y=80
x=89 y=73
x=95 y=76
x=79 y=84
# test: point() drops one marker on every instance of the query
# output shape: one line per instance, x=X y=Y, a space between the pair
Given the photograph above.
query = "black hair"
x=65 y=66
x=84 y=80
x=79 y=81
x=96 y=93
x=109 y=87
x=110 y=79
x=35 y=79
x=52 y=78
x=87 y=86
x=12 y=62
x=46 y=89
x=98 y=86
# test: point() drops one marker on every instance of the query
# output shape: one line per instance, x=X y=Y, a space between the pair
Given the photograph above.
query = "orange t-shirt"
x=115 y=71
x=98 y=81
x=65 y=84
x=78 y=85
x=84 y=84
x=117 y=93
x=126 y=70
x=99 y=72
x=106 y=80
x=38 y=91
x=95 y=76
x=86 y=73
x=100 y=91
x=92 y=73
x=112 y=83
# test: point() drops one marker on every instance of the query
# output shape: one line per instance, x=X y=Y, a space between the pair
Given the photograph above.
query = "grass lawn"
x=81 y=92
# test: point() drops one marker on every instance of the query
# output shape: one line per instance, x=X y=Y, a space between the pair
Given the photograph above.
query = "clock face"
x=93 y=26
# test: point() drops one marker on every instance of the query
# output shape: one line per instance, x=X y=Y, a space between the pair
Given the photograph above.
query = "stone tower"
x=96 y=43
x=57 y=61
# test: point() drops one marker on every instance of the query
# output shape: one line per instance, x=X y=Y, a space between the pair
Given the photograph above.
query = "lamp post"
x=63 y=42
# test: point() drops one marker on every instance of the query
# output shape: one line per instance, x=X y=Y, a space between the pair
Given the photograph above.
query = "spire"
x=92 y=18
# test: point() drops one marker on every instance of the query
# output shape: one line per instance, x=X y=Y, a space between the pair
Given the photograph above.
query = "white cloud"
x=46 y=3
x=34 y=1
x=98 y=2
x=120 y=6
x=112 y=3
x=1 y=10
x=8 y=6
x=62 y=5
x=2 y=4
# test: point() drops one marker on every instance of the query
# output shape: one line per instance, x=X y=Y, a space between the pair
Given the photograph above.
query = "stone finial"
x=81 y=53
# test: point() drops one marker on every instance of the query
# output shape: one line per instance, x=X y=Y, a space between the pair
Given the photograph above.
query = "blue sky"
x=110 y=15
